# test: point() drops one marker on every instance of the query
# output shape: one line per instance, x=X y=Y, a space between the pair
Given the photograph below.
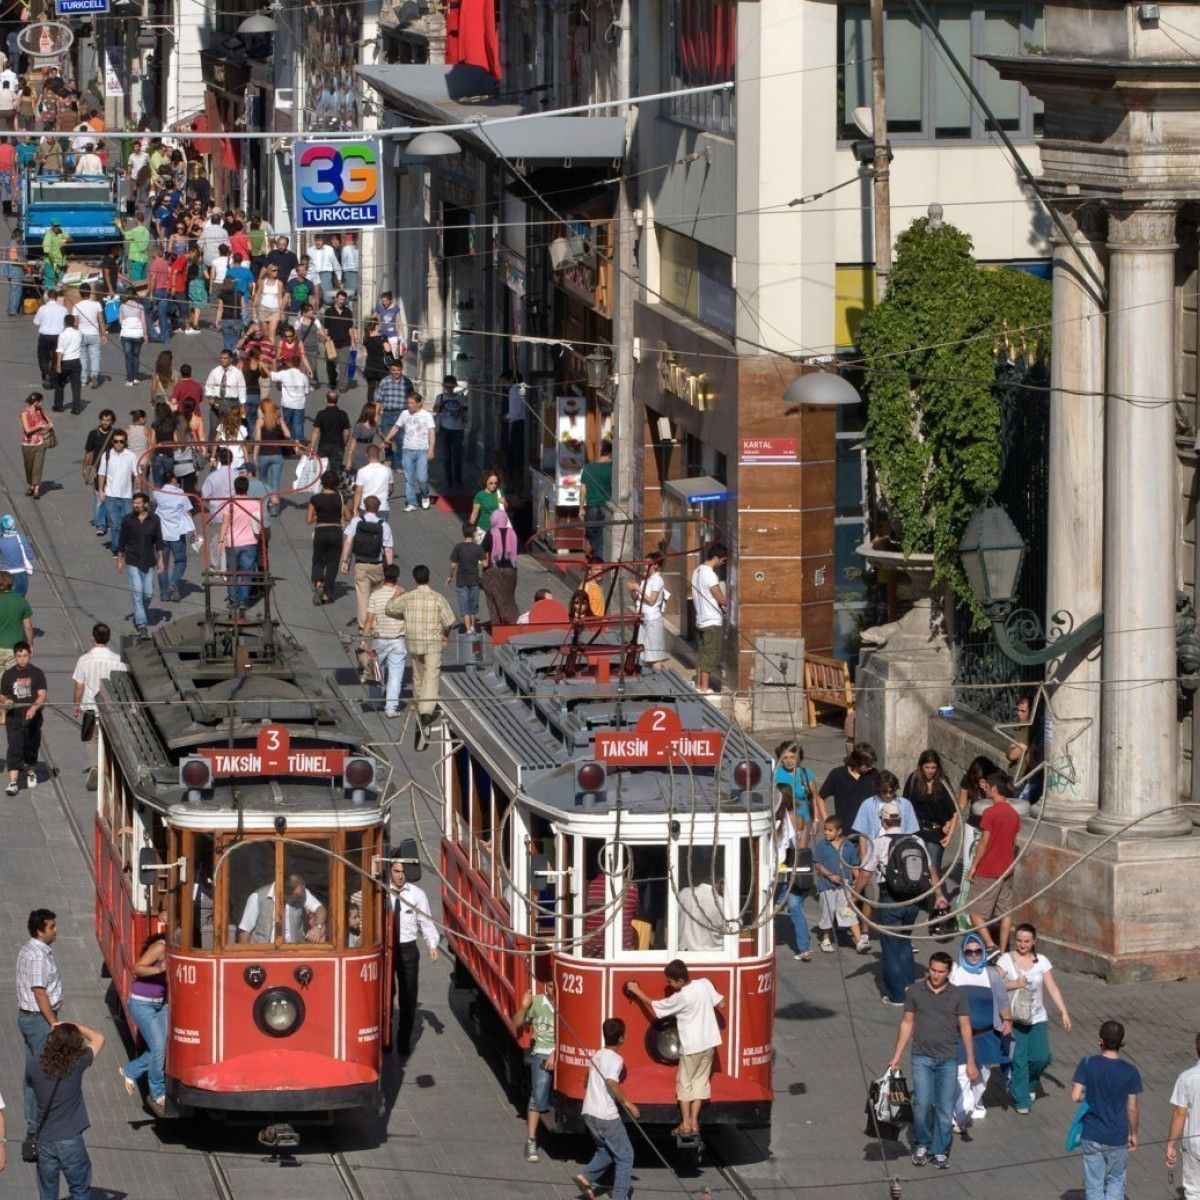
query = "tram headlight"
x=195 y=776
x=662 y=1041
x=279 y=1012
x=357 y=776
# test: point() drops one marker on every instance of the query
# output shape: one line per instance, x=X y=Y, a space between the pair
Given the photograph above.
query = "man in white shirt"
x=409 y=912
x=224 y=388
x=709 y=604
x=1185 y=1124
x=92 y=668
x=115 y=479
x=302 y=919
x=373 y=479
x=68 y=365
x=174 y=511
x=88 y=163
x=369 y=539
x=323 y=264
x=350 y=263
x=693 y=1003
x=418 y=430
x=294 y=385
x=48 y=321
x=210 y=239
x=606 y=1069
x=93 y=330
x=137 y=170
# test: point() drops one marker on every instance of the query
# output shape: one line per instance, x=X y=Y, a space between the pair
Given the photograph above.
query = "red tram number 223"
x=572 y=985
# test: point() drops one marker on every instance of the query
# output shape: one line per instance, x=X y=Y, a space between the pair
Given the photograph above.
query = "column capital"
x=1142 y=226
x=1084 y=220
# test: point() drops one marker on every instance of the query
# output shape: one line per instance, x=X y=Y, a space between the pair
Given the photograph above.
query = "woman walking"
x=164 y=379
x=1028 y=976
x=790 y=771
x=270 y=437
x=487 y=500
x=650 y=598
x=132 y=316
x=928 y=790
x=36 y=425
x=500 y=549
x=325 y=515
x=268 y=300
x=148 y=1008
x=375 y=367
x=991 y=1026
x=365 y=433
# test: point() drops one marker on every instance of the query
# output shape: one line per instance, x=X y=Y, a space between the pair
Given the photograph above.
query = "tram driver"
x=303 y=914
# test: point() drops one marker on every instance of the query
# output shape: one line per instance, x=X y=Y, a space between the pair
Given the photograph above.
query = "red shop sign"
x=273 y=755
x=769 y=449
x=659 y=738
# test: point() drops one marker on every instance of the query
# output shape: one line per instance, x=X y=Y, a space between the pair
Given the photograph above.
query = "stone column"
x=1075 y=525
x=1139 y=739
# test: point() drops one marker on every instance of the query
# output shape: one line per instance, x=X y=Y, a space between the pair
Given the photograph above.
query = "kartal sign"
x=659 y=739
x=339 y=185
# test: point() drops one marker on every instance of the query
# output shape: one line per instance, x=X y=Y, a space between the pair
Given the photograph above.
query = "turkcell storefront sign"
x=79 y=8
x=339 y=185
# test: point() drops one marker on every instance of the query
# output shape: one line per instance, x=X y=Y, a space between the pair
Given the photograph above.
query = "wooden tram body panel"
x=284 y=813
x=515 y=826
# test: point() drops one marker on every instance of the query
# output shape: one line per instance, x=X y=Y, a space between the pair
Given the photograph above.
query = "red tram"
x=598 y=823
x=230 y=768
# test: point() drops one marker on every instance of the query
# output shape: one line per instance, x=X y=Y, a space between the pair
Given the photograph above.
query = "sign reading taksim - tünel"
x=658 y=739
x=274 y=755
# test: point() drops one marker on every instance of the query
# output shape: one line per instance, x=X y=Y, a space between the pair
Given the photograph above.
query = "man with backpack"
x=899 y=863
x=369 y=540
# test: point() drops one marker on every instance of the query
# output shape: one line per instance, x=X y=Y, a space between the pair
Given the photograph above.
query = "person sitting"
x=540 y=594
x=302 y=920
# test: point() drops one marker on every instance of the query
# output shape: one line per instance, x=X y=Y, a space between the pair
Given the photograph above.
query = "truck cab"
x=84 y=206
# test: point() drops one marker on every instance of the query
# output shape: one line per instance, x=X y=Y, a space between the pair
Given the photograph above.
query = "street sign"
x=659 y=739
x=273 y=755
x=763 y=450
x=339 y=185
x=79 y=8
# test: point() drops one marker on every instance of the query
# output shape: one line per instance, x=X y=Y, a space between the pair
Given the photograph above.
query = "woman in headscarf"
x=991 y=1026
x=500 y=549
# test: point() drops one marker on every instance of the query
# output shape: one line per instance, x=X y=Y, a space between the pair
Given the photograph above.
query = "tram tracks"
x=336 y=1162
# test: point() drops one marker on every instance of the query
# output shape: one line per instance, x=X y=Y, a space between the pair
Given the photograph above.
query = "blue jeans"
x=20 y=582
x=176 y=553
x=251 y=407
x=293 y=418
x=116 y=509
x=1103 y=1171
x=70 y=1158
x=612 y=1146
x=133 y=354
x=350 y=282
x=230 y=332
x=795 y=908
x=99 y=513
x=934 y=1083
x=89 y=358
x=241 y=558
x=161 y=313
x=898 y=969
x=416 y=474
x=141 y=591
x=152 y=1019
x=34 y=1030
x=270 y=468
x=325 y=278
x=392 y=654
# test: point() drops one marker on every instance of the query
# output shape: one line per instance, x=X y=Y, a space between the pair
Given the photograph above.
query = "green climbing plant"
x=932 y=348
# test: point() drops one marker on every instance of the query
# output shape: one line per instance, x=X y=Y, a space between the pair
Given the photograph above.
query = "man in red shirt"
x=990 y=875
x=158 y=279
x=186 y=389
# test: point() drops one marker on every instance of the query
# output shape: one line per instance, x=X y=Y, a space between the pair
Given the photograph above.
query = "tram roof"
x=172 y=702
x=530 y=730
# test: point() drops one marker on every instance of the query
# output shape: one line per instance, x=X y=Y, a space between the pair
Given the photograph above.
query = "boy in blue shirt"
x=1111 y=1087
x=833 y=861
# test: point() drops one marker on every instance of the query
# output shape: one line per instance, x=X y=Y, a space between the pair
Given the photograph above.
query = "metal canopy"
x=700 y=489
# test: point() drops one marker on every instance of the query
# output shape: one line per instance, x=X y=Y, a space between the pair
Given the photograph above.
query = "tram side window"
x=306 y=872
x=699 y=883
x=749 y=913
x=540 y=849
x=200 y=890
x=650 y=879
x=358 y=921
x=249 y=871
x=603 y=894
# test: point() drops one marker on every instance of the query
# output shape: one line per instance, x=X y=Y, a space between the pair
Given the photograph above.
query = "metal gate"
x=1023 y=395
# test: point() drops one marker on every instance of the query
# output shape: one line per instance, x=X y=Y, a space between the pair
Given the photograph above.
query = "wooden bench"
x=827 y=681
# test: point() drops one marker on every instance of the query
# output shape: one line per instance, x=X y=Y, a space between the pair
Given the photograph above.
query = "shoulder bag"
x=29 y=1147
x=50 y=439
x=1022 y=1006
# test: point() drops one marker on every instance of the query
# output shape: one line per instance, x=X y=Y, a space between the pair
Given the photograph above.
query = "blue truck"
x=84 y=206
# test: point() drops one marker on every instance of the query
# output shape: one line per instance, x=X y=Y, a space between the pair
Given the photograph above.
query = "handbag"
x=330 y=348
x=50 y=439
x=1022 y=1006
x=29 y=1149
x=112 y=310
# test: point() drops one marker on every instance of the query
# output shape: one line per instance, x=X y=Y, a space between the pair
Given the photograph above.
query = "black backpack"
x=367 y=544
x=906 y=875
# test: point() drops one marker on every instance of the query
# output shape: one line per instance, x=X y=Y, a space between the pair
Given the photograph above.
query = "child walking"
x=834 y=858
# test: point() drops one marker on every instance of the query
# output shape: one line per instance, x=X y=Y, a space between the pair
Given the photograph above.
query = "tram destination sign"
x=659 y=739
x=274 y=755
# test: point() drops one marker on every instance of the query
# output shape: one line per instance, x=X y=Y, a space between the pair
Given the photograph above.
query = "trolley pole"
x=880 y=184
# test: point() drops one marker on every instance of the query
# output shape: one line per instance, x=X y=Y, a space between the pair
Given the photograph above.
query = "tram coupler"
x=279 y=1137
x=688 y=1141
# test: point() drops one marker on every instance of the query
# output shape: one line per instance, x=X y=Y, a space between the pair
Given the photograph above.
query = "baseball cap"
x=889 y=812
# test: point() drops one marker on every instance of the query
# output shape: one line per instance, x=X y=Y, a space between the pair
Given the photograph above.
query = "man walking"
x=139 y=556
x=1185 y=1128
x=331 y=432
x=369 y=539
x=428 y=619
x=385 y=636
x=174 y=512
x=39 y=996
x=115 y=478
x=418 y=434
x=48 y=321
x=709 y=604
x=391 y=398
x=409 y=907
x=224 y=388
x=89 y=320
x=216 y=494
x=92 y=668
x=68 y=365
x=373 y=478
x=990 y=872
x=293 y=388
x=936 y=1016
x=339 y=325
x=23 y=696
x=158 y=278
x=595 y=494
x=1111 y=1087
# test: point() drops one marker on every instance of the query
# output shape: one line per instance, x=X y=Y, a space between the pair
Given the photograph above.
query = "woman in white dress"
x=650 y=599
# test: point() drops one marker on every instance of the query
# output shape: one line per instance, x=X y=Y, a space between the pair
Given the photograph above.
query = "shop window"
x=926 y=98
x=702 y=49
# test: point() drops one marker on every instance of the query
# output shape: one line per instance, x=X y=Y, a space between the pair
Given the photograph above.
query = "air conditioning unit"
x=567 y=252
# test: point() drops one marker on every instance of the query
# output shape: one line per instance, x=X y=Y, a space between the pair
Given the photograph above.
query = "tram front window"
x=248 y=867
x=306 y=880
x=297 y=913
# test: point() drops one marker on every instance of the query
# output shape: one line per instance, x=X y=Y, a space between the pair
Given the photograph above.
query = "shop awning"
x=700 y=489
x=442 y=95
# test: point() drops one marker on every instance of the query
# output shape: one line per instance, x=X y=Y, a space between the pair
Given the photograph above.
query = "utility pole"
x=880 y=184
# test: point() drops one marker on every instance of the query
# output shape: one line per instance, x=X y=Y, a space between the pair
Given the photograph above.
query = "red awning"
x=471 y=35
x=229 y=154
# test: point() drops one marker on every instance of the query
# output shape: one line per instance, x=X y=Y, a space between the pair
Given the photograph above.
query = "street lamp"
x=257 y=23
x=432 y=144
x=820 y=389
x=597 y=369
x=992 y=552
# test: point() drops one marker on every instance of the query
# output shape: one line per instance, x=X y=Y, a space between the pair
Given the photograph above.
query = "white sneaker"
x=863 y=945
x=978 y=1114
x=31 y=779
x=424 y=501
x=191 y=332
x=410 y=508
